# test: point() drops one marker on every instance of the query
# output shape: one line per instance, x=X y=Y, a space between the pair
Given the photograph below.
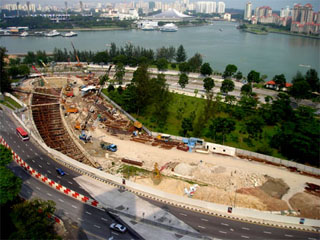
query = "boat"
x=52 y=33
x=170 y=27
x=24 y=34
x=38 y=33
x=303 y=65
x=148 y=27
x=71 y=34
x=220 y=29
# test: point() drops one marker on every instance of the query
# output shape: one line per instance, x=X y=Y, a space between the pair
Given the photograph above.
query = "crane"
x=41 y=75
x=75 y=53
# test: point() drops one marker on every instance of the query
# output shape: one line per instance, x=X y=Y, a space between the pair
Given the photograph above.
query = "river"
x=220 y=44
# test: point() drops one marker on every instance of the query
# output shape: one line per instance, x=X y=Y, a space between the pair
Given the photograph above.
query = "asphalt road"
x=212 y=226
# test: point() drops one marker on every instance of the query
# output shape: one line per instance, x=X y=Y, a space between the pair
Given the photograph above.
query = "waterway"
x=220 y=44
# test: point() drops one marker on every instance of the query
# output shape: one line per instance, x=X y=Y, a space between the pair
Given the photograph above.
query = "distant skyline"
x=239 y=4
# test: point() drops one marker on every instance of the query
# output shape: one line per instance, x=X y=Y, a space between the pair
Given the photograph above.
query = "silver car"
x=118 y=227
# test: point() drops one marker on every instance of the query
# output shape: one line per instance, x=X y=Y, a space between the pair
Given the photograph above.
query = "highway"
x=88 y=217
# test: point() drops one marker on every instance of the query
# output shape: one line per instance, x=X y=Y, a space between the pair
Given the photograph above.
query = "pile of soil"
x=307 y=204
x=275 y=187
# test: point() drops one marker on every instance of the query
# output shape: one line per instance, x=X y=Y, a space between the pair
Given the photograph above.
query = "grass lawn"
x=9 y=102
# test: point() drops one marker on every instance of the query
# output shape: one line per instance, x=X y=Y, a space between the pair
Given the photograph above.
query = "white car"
x=118 y=227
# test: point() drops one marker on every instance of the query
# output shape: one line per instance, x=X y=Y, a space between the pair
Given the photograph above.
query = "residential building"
x=248 y=11
x=206 y=7
x=221 y=7
x=304 y=20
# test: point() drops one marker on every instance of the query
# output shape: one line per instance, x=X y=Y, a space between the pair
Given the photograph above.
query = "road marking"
x=69 y=182
x=203 y=219
x=287 y=235
x=32 y=160
x=102 y=210
x=14 y=142
x=38 y=188
x=201 y=227
x=97 y=226
x=22 y=150
x=40 y=166
x=311 y=238
x=49 y=194
x=74 y=206
x=18 y=146
x=244 y=236
x=266 y=232
x=244 y=228
x=28 y=156
x=103 y=219
x=59 y=177
x=222 y=232
x=80 y=219
x=231 y=229
x=115 y=233
x=225 y=224
x=49 y=171
x=48 y=163
x=36 y=153
x=61 y=200
x=41 y=158
x=89 y=213
x=183 y=214
x=28 y=181
x=67 y=213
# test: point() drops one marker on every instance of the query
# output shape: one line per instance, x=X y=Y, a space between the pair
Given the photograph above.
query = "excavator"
x=79 y=65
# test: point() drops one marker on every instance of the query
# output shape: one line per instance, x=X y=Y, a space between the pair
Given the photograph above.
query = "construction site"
x=72 y=116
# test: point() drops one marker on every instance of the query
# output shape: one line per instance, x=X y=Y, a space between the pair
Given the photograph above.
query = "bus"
x=22 y=133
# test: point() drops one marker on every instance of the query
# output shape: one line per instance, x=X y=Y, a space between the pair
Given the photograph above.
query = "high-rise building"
x=221 y=7
x=206 y=7
x=302 y=14
x=248 y=11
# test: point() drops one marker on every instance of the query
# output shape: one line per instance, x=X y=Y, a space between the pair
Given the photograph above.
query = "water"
x=268 y=54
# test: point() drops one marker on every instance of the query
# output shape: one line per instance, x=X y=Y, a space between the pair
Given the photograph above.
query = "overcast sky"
x=240 y=4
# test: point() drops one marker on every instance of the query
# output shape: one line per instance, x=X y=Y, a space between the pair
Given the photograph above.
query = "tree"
x=206 y=69
x=196 y=91
x=101 y=57
x=227 y=86
x=183 y=80
x=120 y=72
x=208 y=84
x=253 y=76
x=254 y=126
x=186 y=125
x=181 y=55
x=30 y=58
x=31 y=220
x=195 y=62
x=5 y=85
x=222 y=125
x=162 y=64
x=10 y=185
x=280 y=80
x=229 y=71
x=313 y=80
x=103 y=79
x=246 y=89
x=5 y=156
x=300 y=87
x=184 y=67
x=239 y=75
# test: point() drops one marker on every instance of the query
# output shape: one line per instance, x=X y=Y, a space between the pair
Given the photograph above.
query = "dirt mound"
x=308 y=204
x=271 y=203
x=184 y=169
x=275 y=187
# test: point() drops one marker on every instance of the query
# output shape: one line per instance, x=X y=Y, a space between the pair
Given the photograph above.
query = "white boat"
x=148 y=27
x=38 y=33
x=52 y=33
x=170 y=27
x=71 y=34
x=24 y=34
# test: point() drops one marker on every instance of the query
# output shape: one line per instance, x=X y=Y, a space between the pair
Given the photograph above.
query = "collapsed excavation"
x=78 y=121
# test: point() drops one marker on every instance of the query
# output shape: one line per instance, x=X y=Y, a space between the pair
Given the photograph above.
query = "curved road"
x=208 y=225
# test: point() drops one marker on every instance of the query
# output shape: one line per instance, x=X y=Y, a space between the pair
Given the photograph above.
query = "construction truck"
x=109 y=146
x=72 y=109
x=84 y=137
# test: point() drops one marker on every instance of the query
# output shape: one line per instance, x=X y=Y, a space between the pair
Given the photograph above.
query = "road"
x=212 y=226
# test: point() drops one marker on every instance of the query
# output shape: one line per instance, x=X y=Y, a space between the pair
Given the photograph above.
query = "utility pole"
x=18 y=9
x=66 y=5
x=28 y=6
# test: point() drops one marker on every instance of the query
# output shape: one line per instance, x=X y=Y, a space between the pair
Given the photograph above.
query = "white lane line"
x=33 y=160
x=244 y=228
x=28 y=156
x=115 y=233
x=103 y=219
x=59 y=177
x=312 y=239
x=225 y=224
x=244 y=236
x=36 y=153
x=18 y=146
x=40 y=166
x=28 y=181
x=97 y=226
x=89 y=213
x=222 y=232
x=231 y=229
x=14 y=142
x=66 y=213
x=183 y=214
x=80 y=219
x=22 y=150
x=49 y=171
x=61 y=200
x=69 y=182
x=41 y=158
x=49 y=194
x=31 y=149
x=266 y=232
x=201 y=227
x=38 y=188
x=102 y=210
x=205 y=220
x=287 y=235
x=48 y=163
x=74 y=206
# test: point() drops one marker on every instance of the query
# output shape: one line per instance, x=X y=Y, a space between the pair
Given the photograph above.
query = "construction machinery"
x=84 y=137
x=40 y=74
x=72 y=109
x=75 y=53
x=108 y=146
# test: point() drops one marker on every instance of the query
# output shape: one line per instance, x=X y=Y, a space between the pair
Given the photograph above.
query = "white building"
x=285 y=12
x=206 y=7
x=221 y=7
x=227 y=16
x=248 y=11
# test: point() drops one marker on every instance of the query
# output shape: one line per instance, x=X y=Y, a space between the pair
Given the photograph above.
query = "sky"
x=239 y=4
